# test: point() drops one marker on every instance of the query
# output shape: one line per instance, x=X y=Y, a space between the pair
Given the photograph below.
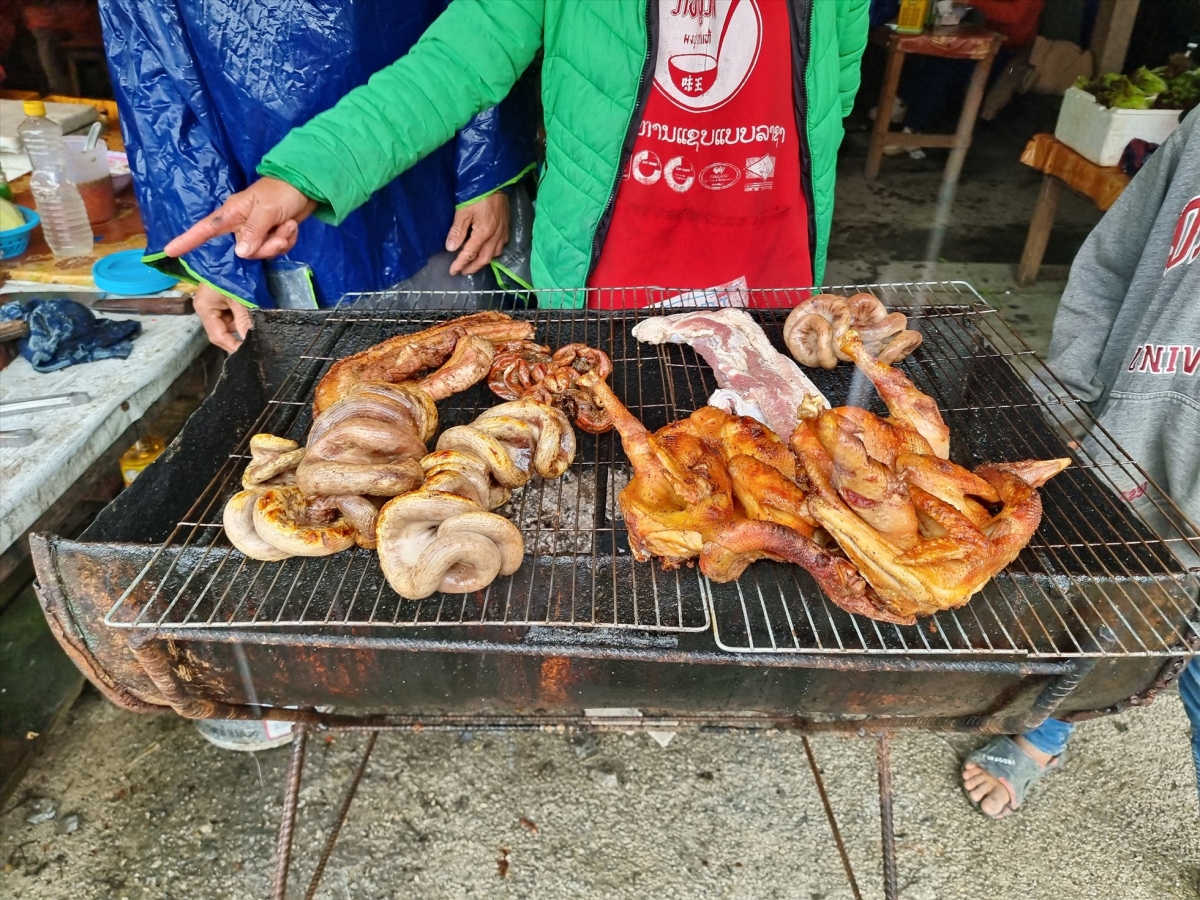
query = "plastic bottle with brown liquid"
x=136 y=458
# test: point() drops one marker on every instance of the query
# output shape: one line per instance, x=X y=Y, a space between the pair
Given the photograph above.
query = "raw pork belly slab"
x=744 y=361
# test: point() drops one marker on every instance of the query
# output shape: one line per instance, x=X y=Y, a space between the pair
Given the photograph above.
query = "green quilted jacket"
x=597 y=72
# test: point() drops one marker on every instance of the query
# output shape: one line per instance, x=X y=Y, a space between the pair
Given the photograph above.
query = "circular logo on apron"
x=706 y=50
x=647 y=167
x=680 y=174
x=720 y=175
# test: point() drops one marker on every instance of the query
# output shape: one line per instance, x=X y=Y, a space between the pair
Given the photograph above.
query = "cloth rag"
x=1134 y=156
x=63 y=333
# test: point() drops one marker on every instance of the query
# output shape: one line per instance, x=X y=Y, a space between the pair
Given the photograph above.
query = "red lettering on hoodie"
x=1165 y=359
x=1191 y=360
x=1152 y=359
x=1185 y=245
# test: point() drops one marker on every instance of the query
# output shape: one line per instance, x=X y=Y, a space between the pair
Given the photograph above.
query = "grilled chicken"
x=919 y=528
x=721 y=489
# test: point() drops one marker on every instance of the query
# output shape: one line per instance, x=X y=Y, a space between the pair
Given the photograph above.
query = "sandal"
x=1004 y=760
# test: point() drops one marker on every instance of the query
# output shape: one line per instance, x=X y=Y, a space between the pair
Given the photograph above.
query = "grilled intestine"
x=523 y=369
x=270 y=518
x=814 y=330
x=374 y=412
x=443 y=536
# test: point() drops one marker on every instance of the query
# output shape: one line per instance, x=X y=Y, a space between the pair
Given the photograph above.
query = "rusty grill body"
x=158 y=608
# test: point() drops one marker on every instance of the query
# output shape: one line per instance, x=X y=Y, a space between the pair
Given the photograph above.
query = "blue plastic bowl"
x=15 y=241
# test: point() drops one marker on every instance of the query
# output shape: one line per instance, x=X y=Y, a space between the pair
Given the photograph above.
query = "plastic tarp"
x=206 y=87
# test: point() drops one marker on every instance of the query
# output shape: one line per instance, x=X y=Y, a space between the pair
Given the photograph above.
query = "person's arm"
x=1104 y=267
x=172 y=137
x=465 y=62
x=494 y=150
x=852 y=22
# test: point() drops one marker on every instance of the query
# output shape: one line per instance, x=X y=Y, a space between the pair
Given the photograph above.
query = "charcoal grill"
x=1097 y=613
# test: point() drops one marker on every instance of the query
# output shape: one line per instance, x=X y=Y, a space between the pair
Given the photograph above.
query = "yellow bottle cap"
x=35 y=108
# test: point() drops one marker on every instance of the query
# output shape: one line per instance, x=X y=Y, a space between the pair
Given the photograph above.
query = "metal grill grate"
x=1094 y=567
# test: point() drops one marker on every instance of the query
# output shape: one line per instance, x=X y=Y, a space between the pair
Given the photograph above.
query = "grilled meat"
x=917 y=527
x=743 y=359
x=529 y=371
x=814 y=330
x=404 y=357
x=442 y=536
x=721 y=489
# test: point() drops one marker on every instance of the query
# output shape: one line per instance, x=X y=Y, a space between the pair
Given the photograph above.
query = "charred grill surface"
x=1091 y=565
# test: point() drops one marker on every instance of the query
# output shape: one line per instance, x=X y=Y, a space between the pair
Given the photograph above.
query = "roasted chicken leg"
x=722 y=489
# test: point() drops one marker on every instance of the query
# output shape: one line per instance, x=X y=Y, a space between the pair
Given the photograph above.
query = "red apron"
x=712 y=189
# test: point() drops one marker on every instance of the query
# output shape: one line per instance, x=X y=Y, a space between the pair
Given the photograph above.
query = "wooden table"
x=951 y=42
x=1061 y=166
x=954 y=42
x=69 y=440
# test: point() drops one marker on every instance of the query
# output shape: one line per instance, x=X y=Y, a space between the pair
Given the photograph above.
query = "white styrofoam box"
x=1100 y=134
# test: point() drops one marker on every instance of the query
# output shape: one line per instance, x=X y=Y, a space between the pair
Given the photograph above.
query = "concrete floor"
x=161 y=814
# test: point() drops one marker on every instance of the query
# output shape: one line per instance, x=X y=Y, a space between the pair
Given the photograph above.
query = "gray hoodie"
x=1127 y=334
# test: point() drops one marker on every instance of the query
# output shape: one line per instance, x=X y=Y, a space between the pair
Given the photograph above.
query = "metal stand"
x=287 y=824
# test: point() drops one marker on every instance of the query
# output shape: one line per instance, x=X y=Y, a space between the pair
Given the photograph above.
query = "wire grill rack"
x=1095 y=580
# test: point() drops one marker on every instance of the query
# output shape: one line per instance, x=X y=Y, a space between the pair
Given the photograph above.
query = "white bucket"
x=245 y=734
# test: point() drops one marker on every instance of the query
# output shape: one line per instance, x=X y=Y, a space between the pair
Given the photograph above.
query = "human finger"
x=465 y=262
x=282 y=239
x=242 y=322
x=231 y=215
x=459 y=227
x=217 y=326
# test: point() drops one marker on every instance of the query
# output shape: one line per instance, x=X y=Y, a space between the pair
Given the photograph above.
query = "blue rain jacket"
x=206 y=87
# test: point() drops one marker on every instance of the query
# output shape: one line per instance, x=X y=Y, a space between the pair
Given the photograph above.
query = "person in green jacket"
x=688 y=142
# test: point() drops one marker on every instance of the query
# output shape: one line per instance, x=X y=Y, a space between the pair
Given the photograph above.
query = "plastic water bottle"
x=64 y=217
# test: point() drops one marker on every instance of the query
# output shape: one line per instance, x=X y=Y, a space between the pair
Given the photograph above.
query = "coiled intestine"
x=443 y=536
x=814 y=330
x=525 y=370
x=326 y=496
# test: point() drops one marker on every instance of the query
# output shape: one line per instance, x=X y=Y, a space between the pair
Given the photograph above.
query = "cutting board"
x=69 y=116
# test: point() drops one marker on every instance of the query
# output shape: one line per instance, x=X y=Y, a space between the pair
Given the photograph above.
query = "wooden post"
x=1110 y=37
x=1039 y=230
x=883 y=114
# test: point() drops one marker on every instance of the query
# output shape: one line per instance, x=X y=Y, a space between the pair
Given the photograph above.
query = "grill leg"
x=886 y=823
x=351 y=790
x=833 y=825
x=287 y=823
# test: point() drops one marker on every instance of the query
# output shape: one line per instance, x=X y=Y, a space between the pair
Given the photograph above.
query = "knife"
x=100 y=302
x=146 y=306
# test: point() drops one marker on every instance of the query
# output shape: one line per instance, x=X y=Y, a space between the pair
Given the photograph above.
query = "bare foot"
x=986 y=790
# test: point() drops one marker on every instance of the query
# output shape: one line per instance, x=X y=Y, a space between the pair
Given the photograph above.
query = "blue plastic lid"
x=125 y=273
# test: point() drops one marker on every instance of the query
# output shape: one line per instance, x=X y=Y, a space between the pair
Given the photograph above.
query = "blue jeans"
x=1052 y=735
